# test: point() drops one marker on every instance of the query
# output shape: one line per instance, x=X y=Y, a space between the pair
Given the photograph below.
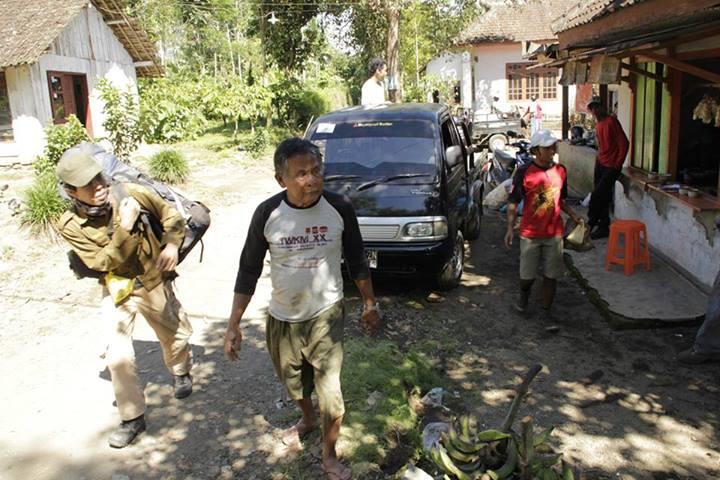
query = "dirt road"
x=623 y=408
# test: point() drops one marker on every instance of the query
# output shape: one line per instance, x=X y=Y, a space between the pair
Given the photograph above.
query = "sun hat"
x=543 y=138
x=77 y=168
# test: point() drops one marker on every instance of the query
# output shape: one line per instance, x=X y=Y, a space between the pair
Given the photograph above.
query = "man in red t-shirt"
x=542 y=186
x=613 y=146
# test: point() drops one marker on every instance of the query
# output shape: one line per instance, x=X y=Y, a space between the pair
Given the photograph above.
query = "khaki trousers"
x=165 y=315
x=308 y=356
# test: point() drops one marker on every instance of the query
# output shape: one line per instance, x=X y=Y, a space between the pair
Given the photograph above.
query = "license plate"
x=372 y=258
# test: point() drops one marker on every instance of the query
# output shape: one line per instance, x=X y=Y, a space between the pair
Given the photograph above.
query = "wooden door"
x=68 y=96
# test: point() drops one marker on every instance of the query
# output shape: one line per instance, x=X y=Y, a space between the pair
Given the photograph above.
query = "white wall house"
x=52 y=56
x=488 y=59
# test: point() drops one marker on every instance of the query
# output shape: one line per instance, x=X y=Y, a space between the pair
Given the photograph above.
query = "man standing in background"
x=373 y=90
x=613 y=146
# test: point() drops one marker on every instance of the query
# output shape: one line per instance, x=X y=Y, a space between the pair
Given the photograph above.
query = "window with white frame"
x=523 y=84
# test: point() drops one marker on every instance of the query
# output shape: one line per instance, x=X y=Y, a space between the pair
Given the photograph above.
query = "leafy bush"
x=257 y=143
x=59 y=138
x=171 y=109
x=122 y=118
x=43 y=204
x=296 y=104
x=169 y=166
x=244 y=102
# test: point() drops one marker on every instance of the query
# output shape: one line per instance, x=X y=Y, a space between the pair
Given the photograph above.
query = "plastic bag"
x=119 y=287
x=499 y=195
x=579 y=238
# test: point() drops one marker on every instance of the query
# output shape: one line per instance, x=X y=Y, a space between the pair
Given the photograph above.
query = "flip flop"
x=291 y=437
x=338 y=476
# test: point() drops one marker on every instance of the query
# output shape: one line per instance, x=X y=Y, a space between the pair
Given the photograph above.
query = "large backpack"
x=195 y=213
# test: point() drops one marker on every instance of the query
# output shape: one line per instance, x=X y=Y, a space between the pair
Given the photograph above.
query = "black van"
x=409 y=172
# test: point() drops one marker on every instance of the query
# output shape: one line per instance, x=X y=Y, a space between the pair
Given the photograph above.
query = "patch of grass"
x=169 y=166
x=43 y=204
x=379 y=366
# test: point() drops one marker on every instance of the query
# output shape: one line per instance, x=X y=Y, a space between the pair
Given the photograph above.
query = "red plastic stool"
x=635 y=250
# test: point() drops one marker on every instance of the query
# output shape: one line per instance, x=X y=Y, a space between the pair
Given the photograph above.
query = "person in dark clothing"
x=613 y=146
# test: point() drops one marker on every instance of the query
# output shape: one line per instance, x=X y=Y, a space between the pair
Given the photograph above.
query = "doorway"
x=68 y=96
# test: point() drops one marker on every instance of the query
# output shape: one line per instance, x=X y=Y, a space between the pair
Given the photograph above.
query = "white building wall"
x=487 y=63
x=448 y=66
x=624 y=113
x=87 y=46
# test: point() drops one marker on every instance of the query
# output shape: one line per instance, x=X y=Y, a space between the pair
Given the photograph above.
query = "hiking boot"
x=548 y=321
x=522 y=302
x=126 y=432
x=599 y=232
x=693 y=357
x=183 y=385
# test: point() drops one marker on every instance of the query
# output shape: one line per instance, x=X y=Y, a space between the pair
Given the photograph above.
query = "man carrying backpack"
x=107 y=228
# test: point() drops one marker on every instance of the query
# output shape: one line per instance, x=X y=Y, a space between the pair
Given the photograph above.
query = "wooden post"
x=565 y=112
x=675 y=120
x=604 y=97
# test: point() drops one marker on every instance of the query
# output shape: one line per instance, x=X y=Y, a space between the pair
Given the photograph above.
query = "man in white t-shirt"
x=373 y=90
x=307 y=231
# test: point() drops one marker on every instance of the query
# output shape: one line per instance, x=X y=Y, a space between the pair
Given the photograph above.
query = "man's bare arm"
x=233 y=335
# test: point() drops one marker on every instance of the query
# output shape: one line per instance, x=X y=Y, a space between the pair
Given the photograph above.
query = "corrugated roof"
x=588 y=10
x=516 y=22
x=28 y=27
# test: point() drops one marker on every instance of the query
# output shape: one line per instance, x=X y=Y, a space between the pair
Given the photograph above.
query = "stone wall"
x=580 y=164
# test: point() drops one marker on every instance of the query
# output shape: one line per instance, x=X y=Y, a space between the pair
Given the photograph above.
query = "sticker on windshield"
x=325 y=128
x=372 y=124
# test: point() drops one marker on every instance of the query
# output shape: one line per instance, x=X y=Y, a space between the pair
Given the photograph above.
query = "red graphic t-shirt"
x=541 y=189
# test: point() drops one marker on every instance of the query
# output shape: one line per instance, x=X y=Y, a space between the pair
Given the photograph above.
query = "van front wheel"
x=450 y=273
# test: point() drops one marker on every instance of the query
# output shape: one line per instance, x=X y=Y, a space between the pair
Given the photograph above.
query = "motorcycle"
x=502 y=165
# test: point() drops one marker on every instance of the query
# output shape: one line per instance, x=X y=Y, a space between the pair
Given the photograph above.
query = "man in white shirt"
x=373 y=90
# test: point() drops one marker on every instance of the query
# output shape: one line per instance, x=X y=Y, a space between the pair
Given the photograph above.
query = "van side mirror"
x=453 y=155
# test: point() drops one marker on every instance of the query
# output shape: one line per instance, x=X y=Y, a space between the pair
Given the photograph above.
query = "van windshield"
x=376 y=149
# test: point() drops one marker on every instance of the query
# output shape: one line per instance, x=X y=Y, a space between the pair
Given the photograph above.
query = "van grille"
x=379 y=232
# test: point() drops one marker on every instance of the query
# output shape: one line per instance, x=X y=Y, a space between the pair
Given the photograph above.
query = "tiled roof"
x=28 y=27
x=527 y=21
x=585 y=11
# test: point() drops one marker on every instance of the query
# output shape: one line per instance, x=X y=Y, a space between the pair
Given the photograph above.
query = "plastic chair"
x=635 y=250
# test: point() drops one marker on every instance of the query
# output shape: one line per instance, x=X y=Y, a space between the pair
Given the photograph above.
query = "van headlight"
x=433 y=229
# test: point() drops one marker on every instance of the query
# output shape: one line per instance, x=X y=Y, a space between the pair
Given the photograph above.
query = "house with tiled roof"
x=52 y=55
x=488 y=58
x=656 y=66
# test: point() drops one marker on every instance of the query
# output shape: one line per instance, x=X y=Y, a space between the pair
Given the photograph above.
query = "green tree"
x=426 y=28
x=244 y=102
x=122 y=115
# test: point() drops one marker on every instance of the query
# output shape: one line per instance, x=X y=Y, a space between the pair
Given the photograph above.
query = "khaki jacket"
x=130 y=255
